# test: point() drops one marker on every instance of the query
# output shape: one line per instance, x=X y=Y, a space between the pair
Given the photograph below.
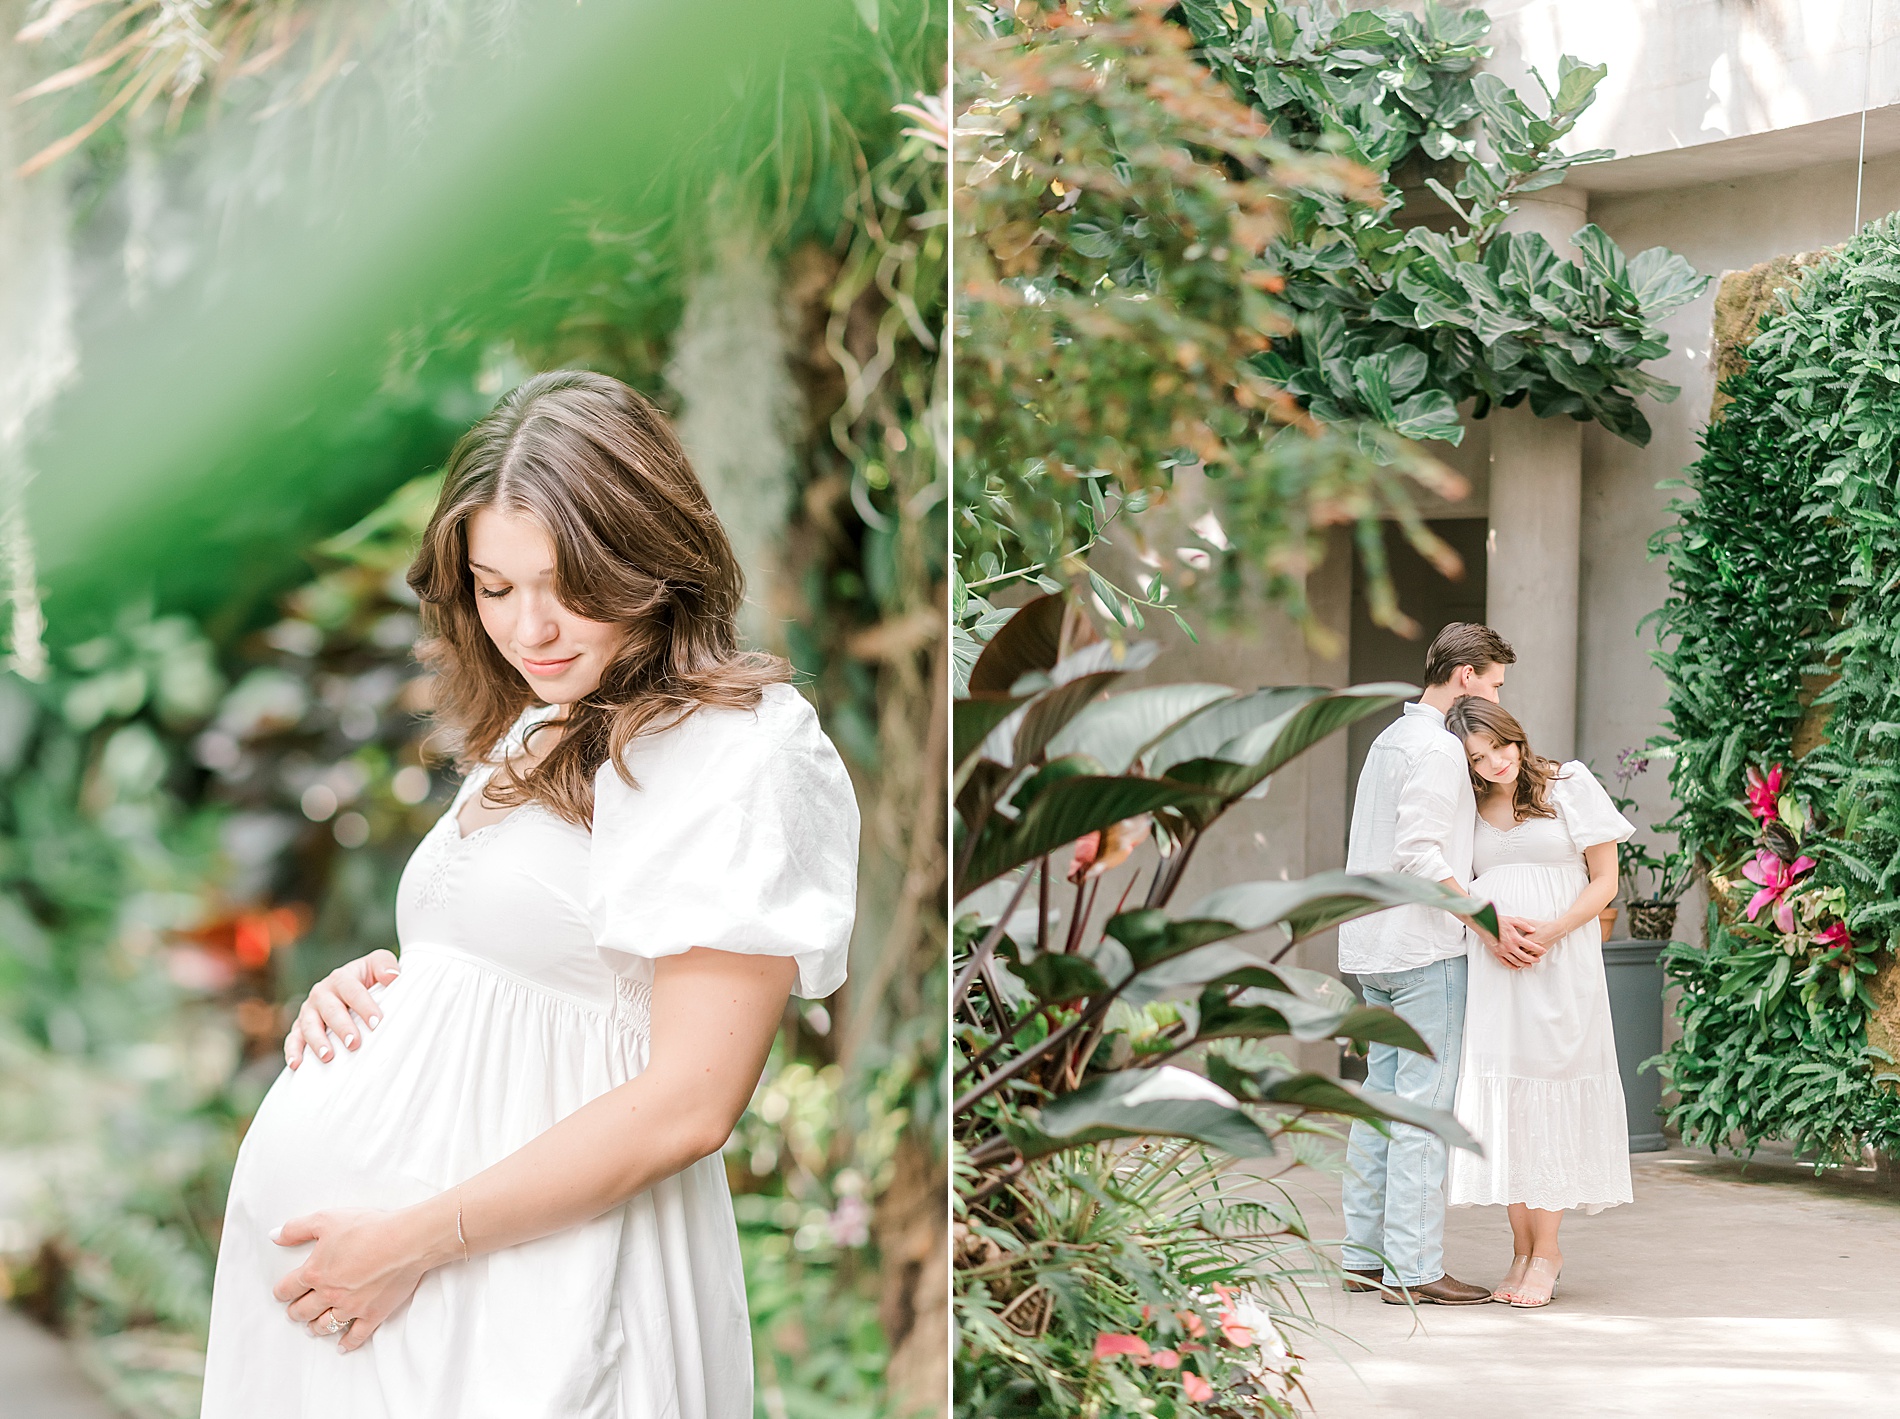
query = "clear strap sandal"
x=1539 y=1286
x=1506 y=1289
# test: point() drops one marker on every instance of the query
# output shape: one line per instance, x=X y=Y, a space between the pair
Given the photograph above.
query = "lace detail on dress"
x=633 y=1006
x=438 y=863
x=445 y=845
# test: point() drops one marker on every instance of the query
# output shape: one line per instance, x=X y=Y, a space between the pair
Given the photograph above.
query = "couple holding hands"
x=1519 y=1024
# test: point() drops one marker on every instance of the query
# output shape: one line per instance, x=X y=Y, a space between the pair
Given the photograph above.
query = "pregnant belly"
x=1540 y=891
x=305 y=1149
x=467 y=1066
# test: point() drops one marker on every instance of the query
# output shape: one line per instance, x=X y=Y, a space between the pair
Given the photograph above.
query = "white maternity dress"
x=1537 y=1083
x=527 y=957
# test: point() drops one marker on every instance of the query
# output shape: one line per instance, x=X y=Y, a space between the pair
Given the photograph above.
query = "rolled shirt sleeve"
x=1435 y=792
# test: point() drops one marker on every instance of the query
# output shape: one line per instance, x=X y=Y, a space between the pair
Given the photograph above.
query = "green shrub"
x=1782 y=632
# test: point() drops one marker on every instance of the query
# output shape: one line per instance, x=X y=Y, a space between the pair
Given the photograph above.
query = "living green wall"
x=1781 y=645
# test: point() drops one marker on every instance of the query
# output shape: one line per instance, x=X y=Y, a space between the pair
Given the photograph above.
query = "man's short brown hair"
x=1465 y=643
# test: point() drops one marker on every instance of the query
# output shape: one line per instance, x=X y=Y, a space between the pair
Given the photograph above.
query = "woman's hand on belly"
x=365 y=1264
x=336 y=1002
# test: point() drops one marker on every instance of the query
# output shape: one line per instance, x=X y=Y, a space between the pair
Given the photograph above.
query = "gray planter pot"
x=1636 y=1008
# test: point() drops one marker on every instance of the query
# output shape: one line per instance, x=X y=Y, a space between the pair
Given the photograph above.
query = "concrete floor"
x=38 y=1377
x=1722 y=1291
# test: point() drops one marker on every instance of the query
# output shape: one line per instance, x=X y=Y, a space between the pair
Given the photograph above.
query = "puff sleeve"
x=742 y=836
x=1585 y=807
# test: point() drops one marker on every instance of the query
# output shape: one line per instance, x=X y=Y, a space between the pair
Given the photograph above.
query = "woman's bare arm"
x=1600 y=858
x=714 y=1015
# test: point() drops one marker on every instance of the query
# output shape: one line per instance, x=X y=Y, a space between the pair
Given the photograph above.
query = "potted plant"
x=1652 y=913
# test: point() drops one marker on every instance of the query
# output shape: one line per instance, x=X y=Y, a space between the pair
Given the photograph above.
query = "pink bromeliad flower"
x=1764 y=793
x=1774 y=877
x=1835 y=935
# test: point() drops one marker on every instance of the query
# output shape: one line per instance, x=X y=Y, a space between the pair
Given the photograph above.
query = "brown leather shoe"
x=1363 y=1280
x=1445 y=1291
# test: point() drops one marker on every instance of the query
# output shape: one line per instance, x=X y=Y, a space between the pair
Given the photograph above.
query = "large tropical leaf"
x=1052 y=697
x=1174 y=957
x=1119 y=731
x=1273 y=1085
x=1313 y=904
x=1203 y=736
x=1291 y=721
x=1182 y=977
x=1056 y=978
x=1065 y=811
x=1029 y=640
x=1265 y=1014
x=973 y=718
x=1152 y=936
x=1045 y=716
x=1134 y=1103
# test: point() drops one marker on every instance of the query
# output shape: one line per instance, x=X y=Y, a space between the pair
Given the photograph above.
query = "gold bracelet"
x=458 y=1231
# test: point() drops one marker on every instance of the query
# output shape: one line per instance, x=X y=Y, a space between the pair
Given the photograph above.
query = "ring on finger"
x=337 y=1325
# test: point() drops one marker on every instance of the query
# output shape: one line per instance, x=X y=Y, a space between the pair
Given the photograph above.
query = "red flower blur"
x=1108 y=849
x=1108 y=1345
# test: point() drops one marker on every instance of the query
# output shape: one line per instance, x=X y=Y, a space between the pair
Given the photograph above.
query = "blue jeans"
x=1394 y=1195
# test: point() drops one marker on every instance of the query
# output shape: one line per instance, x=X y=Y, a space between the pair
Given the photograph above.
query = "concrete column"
x=1536 y=517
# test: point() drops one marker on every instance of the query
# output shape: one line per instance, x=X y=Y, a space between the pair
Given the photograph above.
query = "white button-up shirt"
x=1415 y=813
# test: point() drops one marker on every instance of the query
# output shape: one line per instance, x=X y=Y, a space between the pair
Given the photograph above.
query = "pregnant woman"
x=507 y=1199
x=1538 y=1083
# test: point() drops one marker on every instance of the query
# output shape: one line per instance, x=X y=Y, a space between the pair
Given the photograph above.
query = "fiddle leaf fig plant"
x=1400 y=321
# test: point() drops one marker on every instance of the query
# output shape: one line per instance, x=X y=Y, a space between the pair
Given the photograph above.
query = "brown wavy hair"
x=635 y=542
x=1473 y=714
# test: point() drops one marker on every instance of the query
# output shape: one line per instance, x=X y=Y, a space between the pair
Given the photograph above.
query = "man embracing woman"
x=1518 y=1024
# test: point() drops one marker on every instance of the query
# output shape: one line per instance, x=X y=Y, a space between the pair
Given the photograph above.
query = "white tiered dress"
x=527 y=957
x=1538 y=1083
